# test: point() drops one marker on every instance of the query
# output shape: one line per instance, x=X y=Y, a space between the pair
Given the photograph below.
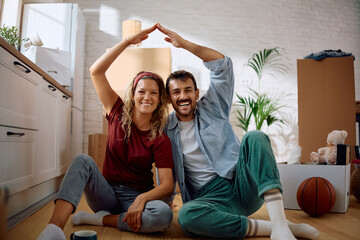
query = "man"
x=221 y=181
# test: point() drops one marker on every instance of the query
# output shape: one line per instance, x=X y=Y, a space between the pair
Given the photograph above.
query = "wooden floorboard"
x=332 y=226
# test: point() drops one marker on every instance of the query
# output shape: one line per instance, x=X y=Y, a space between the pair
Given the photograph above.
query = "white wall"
x=235 y=28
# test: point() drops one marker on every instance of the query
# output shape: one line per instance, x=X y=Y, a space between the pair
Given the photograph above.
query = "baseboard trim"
x=16 y=219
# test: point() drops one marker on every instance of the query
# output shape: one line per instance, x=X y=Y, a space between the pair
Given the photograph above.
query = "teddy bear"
x=328 y=154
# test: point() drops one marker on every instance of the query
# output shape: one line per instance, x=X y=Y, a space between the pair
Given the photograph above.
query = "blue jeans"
x=84 y=176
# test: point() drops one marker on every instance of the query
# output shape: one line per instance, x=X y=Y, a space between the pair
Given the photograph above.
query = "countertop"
x=37 y=69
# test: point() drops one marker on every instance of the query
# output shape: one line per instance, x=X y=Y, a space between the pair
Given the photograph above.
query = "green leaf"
x=260 y=106
x=11 y=35
x=269 y=61
x=244 y=118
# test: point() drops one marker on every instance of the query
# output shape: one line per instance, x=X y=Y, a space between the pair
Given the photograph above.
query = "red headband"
x=140 y=76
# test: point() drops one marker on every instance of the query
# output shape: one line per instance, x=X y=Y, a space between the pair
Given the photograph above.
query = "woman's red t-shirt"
x=130 y=163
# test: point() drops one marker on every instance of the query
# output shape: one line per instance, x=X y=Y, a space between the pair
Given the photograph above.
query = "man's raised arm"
x=204 y=53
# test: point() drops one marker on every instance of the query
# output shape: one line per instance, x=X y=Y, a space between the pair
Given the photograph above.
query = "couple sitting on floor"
x=222 y=181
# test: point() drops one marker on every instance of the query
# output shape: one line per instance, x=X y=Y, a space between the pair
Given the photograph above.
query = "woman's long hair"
x=159 y=116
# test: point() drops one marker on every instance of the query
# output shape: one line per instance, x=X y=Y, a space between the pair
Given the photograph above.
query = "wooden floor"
x=332 y=226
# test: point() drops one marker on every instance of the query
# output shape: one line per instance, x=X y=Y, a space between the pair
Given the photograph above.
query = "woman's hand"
x=164 y=190
x=173 y=205
x=133 y=215
x=141 y=36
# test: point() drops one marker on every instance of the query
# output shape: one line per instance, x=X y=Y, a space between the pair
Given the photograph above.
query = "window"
x=11 y=12
x=1 y=2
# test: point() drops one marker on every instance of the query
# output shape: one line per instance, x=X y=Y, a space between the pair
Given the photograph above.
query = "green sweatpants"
x=221 y=207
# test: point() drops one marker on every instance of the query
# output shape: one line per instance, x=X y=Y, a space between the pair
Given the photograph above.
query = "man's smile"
x=184 y=103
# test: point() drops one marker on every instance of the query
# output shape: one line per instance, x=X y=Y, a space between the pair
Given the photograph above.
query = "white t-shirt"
x=197 y=168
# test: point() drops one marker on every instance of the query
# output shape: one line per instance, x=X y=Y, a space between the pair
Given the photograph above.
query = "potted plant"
x=11 y=35
x=260 y=106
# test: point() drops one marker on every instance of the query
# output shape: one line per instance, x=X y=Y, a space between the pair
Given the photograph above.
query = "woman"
x=124 y=196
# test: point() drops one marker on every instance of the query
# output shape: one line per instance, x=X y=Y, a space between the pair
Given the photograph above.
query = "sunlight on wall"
x=109 y=20
x=236 y=30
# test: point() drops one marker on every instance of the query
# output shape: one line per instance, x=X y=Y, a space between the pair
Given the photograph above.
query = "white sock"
x=52 y=232
x=303 y=230
x=89 y=218
x=258 y=228
x=279 y=226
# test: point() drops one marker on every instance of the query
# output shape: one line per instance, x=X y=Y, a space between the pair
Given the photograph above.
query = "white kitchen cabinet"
x=34 y=124
x=47 y=131
x=18 y=93
x=18 y=148
x=55 y=62
x=62 y=26
x=63 y=132
x=54 y=133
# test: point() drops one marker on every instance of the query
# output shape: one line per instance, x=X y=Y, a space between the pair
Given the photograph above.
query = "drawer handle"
x=52 y=88
x=65 y=97
x=20 y=134
x=16 y=63
x=53 y=71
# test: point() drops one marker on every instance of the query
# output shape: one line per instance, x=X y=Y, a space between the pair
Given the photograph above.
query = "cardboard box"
x=292 y=175
x=133 y=60
x=326 y=101
x=97 y=148
x=105 y=125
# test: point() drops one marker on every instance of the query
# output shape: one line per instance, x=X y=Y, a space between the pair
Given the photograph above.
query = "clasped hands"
x=171 y=37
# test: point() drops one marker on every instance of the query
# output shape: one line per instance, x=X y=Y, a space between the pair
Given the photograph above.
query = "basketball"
x=316 y=196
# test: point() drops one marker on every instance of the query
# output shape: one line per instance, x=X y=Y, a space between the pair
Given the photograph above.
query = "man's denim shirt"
x=213 y=131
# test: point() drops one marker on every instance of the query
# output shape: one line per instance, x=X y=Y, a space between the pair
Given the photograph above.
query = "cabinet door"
x=63 y=132
x=47 y=132
x=18 y=148
x=18 y=93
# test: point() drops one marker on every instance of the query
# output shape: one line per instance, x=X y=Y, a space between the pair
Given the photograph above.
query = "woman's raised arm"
x=106 y=94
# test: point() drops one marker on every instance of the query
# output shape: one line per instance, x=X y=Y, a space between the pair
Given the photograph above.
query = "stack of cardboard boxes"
x=326 y=101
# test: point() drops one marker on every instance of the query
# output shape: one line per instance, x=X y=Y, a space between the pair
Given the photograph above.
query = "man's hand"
x=204 y=53
x=141 y=36
x=172 y=37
